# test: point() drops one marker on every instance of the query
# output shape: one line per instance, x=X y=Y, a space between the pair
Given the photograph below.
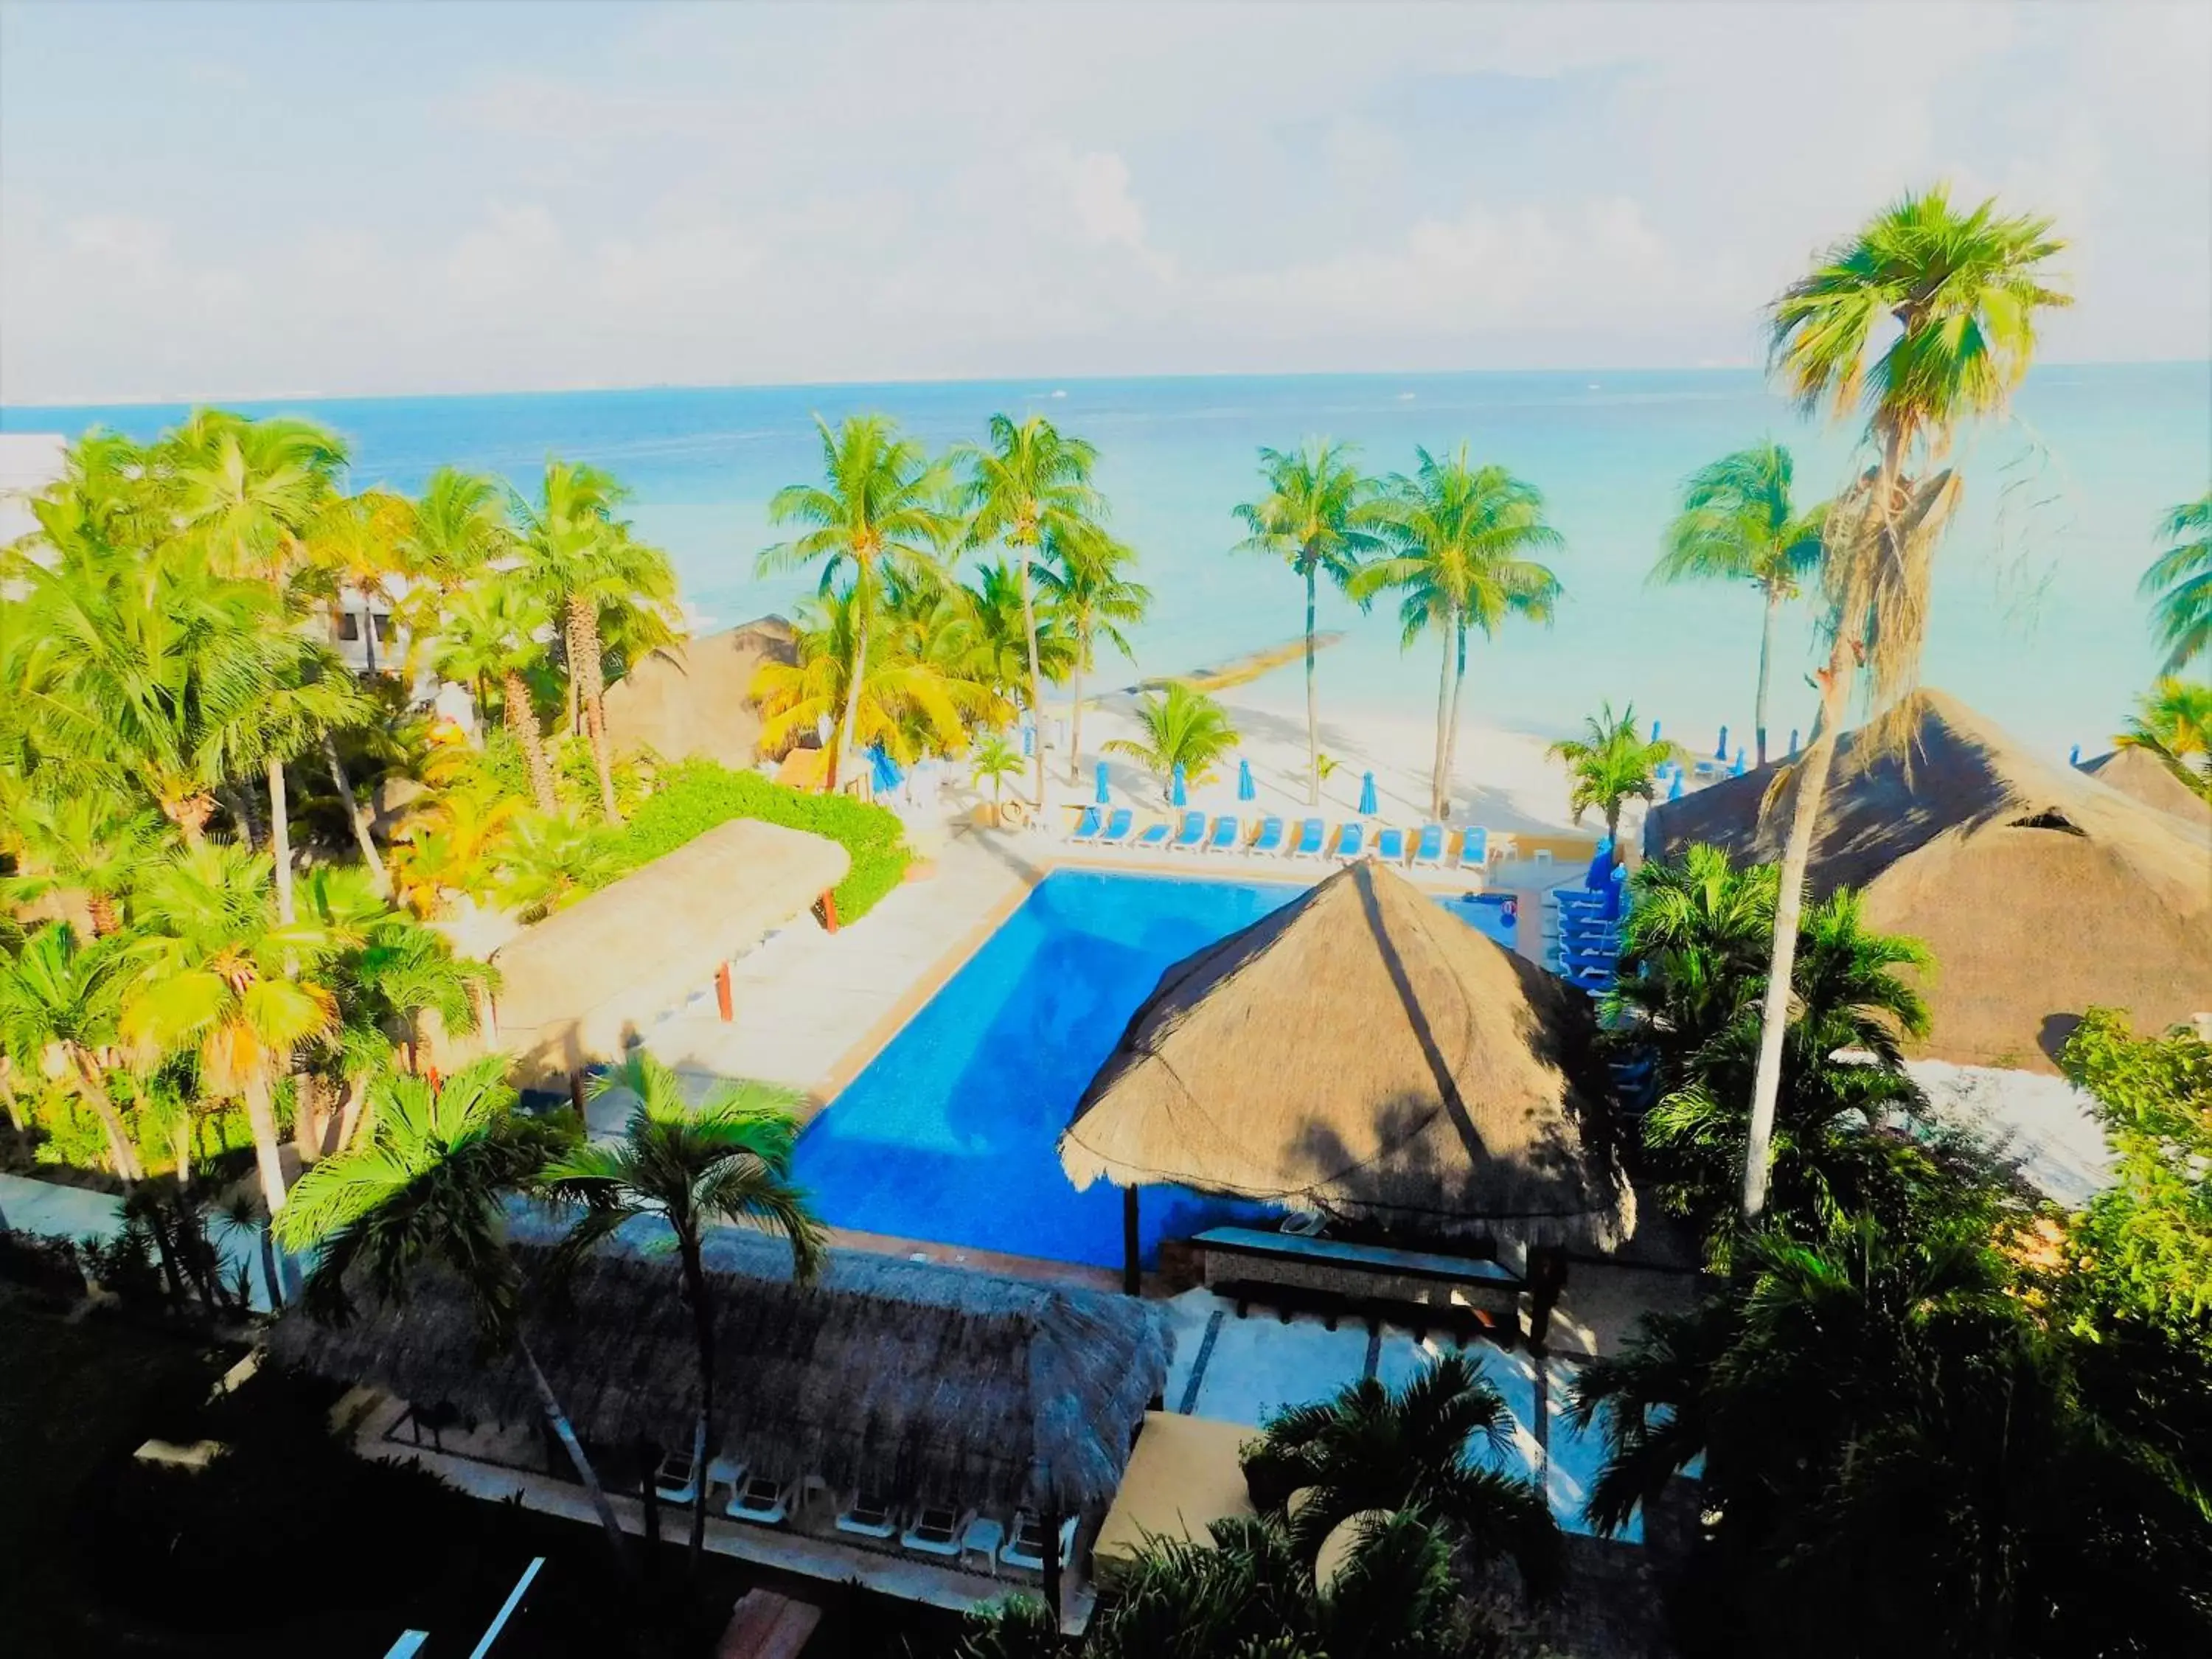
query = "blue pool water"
x=950 y=1133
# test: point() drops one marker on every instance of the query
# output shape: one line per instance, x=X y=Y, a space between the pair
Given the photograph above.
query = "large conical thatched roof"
x=695 y=697
x=2041 y=892
x=2140 y=775
x=920 y=1381
x=1361 y=1052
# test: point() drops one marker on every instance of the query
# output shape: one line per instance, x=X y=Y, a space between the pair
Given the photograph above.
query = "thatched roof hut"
x=2041 y=892
x=918 y=1380
x=575 y=986
x=695 y=697
x=1362 y=1053
x=2140 y=775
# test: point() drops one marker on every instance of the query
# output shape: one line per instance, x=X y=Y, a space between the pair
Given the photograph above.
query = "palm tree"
x=360 y=543
x=1694 y=951
x=877 y=508
x=997 y=760
x=248 y=491
x=1928 y=315
x=1090 y=599
x=58 y=1005
x=491 y=633
x=580 y=560
x=451 y=844
x=724 y=1162
x=1319 y=514
x=309 y=698
x=213 y=972
x=2173 y=722
x=1413 y=1448
x=546 y=858
x=1460 y=538
x=429 y=1187
x=1025 y=486
x=91 y=842
x=402 y=971
x=898 y=697
x=1612 y=765
x=2180 y=579
x=457 y=532
x=1182 y=727
x=981 y=631
x=1739 y=523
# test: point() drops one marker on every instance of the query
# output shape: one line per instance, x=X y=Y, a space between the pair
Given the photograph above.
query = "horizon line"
x=1053 y=384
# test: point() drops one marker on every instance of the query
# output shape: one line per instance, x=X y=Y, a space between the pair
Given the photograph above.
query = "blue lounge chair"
x=1224 y=838
x=1390 y=846
x=1117 y=828
x=1191 y=835
x=1311 y=837
x=1086 y=827
x=1474 y=847
x=1351 y=841
x=1429 y=847
x=1270 y=838
x=1153 y=836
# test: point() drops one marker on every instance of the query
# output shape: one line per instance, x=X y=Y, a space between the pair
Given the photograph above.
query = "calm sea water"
x=2036 y=620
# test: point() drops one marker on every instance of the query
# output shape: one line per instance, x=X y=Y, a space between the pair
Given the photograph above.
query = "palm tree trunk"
x=522 y=722
x=848 y=732
x=120 y=1152
x=1313 y=699
x=180 y=1147
x=357 y=815
x=703 y=1326
x=1075 y=728
x=189 y=813
x=1765 y=655
x=583 y=668
x=261 y=1113
x=100 y=912
x=8 y=1096
x=1451 y=731
x=1444 y=710
x=565 y=1432
x=1037 y=679
x=353 y=1119
x=280 y=841
x=368 y=631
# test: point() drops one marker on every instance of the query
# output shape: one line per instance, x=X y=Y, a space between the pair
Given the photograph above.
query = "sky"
x=264 y=200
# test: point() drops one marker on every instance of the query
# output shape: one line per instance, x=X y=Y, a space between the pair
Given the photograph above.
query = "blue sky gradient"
x=233 y=200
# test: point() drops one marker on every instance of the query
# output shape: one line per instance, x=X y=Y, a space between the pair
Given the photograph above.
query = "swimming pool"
x=950 y=1133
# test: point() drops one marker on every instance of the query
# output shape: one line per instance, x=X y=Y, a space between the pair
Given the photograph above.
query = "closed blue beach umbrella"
x=1738 y=768
x=1029 y=738
x=1720 y=753
x=1177 y=795
x=1244 y=789
x=1655 y=731
x=885 y=771
x=1104 y=797
x=1600 y=865
x=1367 y=804
x=2075 y=759
x=1793 y=740
x=1674 y=789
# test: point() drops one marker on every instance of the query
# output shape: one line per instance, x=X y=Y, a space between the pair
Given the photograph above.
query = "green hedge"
x=691 y=798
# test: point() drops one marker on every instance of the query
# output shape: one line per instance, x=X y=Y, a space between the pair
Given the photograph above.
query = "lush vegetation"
x=2180 y=581
x=1609 y=765
x=1180 y=730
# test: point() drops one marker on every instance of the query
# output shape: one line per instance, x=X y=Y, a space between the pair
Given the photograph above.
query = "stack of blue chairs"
x=1586 y=945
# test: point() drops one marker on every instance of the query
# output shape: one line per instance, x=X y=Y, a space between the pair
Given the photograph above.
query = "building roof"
x=921 y=1381
x=695 y=697
x=2041 y=891
x=1185 y=1474
x=1361 y=1052
x=576 y=985
x=2140 y=775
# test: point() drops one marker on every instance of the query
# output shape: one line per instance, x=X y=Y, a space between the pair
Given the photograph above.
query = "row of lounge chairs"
x=1433 y=846
x=929 y=1530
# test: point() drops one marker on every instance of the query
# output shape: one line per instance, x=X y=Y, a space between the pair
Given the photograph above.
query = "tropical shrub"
x=1179 y=725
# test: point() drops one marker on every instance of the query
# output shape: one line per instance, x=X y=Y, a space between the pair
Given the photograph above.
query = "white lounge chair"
x=1026 y=1548
x=1222 y=838
x=676 y=1479
x=867 y=1516
x=936 y=1529
x=764 y=1502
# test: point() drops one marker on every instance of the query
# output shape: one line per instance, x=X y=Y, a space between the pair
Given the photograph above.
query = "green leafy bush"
x=696 y=795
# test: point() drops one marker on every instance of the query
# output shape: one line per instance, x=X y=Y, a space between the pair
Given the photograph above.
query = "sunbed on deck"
x=1350 y=840
x=1270 y=838
x=1087 y=826
x=1191 y=835
x=1311 y=835
x=1390 y=846
x=1429 y=847
x=1224 y=836
x=1117 y=828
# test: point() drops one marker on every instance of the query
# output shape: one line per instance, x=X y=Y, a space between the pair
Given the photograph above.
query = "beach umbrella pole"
x=1132 y=1267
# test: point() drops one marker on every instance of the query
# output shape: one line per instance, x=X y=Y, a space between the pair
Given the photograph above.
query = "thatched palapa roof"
x=2140 y=775
x=1364 y=1052
x=575 y=986
x=695 y=697
x=2041 y=891
x=920 y=1381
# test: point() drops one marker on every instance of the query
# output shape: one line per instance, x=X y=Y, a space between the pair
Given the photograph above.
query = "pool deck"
x=813 y=1008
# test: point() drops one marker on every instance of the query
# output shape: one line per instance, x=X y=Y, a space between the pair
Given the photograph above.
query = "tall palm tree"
x=1462 y=539
x=724 y=1162
x=1926 y=318
x=309 y=698
x=1027 y=484
x=1089 y=599
x=1318 y=514
x=490 y=633
x=429 y=1187
x=359 y=544
x=459 y=530
x=898 y=698
x=214 y=972
x=1181 y=727
x=1739 y=523
x=2180 y=579
x=878 y=507
x=58 y=1005
x=92 y=842
x=981 y=631
x=582 y=560
x=1412 y=1448
x=248 y=491
x=1694 y=951
x=1610 y=765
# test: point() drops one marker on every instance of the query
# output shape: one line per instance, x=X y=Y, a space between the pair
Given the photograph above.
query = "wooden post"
x=576 y=1090
x=725 y=1004
x=1547 y=1271
x=1132 y=1268
x=830 y=912
x=1052 y=1520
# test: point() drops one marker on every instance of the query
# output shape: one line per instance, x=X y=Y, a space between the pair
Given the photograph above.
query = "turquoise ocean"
x=2037 y=620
